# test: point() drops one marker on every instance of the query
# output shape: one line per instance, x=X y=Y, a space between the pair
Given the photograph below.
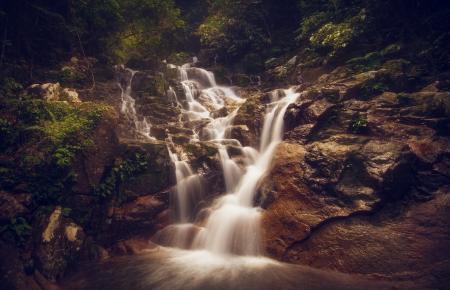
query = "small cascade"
x=232 y=223
x=187 y=195
x=128 y=108
x=188 y=189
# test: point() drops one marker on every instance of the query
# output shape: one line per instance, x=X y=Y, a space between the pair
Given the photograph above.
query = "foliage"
x=18 y=228
x=310 y=24
x=359 y=124
x=10 y=88
x=134 y=164
x=8 y=134
x=373 y=88
x=48 y=136
x=234 y=29
x=338 y=35
x=150 y=29
x=44 y=32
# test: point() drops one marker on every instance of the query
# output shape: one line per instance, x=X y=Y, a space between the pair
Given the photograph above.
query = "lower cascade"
x=232 y=225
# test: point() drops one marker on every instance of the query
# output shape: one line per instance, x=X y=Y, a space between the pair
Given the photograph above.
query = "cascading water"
x=221 y=250
x=128 y=107
x=233 y=225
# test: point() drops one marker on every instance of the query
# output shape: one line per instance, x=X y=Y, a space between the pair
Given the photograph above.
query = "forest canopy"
x=247 y=31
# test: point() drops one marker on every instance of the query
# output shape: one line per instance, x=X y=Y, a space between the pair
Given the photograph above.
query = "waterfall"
x=232 y=225
x=128 y=107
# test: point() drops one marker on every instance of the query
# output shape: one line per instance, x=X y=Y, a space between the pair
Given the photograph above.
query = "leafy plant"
x=10 y=88
x=359 y=124
x=134 y=164
x=8 y=134
x=373 y=88
x=338 y=35
x=18 y=228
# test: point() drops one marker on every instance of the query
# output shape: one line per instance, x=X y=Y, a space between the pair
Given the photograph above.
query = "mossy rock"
x=202 y=152
x=141 y=168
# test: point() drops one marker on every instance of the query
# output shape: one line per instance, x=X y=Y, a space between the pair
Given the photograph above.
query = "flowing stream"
x=217 y=247
x=128 y=107
x=233 y=223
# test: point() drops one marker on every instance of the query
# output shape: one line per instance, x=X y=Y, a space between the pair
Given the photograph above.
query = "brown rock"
x=402 y=244
x=90 y=167
x=137 y=217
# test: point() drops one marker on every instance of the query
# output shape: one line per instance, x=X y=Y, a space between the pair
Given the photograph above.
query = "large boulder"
x=308 y=185
x=403 y=243
x=142 y=216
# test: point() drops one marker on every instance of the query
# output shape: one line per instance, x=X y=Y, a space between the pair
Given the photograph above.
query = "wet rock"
x=59 y=245
x=138 y=216
x=301 y=194
x=241 y=80
x=344 y=175
x=156 y=175
x=181 y=138
x=306 y=112
x=251 y=114
x=242 y=133
x=132 y=246
x=180 y=236
x=203 y=155
x=148 y=82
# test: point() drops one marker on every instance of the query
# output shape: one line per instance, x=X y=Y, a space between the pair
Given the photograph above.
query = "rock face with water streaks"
x=361 y=186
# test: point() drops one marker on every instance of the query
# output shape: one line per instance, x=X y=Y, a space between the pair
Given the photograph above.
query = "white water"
x=233 y=223
x=128 y=108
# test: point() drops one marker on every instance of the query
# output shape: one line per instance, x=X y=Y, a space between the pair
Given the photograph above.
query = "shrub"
x=10 y=88
x=134 y=164
x=337 y=36
x=17 y=229
x=359 y=124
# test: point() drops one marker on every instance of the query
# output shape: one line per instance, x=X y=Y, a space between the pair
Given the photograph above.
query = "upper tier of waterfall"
x=233 y=223
x=128 y=106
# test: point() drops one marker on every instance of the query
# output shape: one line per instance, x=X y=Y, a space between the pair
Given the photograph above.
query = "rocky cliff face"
x=361 y=182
